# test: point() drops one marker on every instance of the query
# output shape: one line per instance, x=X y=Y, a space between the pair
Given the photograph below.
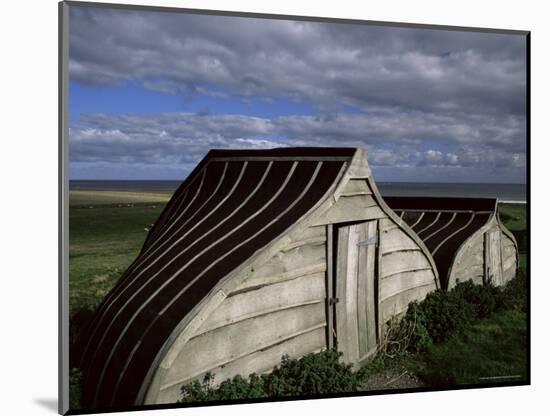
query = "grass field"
x=492 y=350
x=514 y=217
x=105 y=239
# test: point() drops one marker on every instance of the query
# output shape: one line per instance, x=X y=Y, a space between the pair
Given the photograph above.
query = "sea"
x=504 y=192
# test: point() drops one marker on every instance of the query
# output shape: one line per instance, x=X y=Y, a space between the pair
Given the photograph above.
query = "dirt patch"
x=392 y=379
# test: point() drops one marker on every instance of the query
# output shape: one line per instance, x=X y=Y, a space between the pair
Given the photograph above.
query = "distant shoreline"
x=513 y=202
x=506 y=193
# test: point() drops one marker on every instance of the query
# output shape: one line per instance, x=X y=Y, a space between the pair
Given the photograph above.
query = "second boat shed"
x=465 y=237
x=259 y=253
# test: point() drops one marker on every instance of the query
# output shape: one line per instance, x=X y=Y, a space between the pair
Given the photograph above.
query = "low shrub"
x=442 y=313
x=521 y=239
x=483 y=299
x=312 y=374
x=416 y=324
x=230 y=389
x=515 y=293
x=319 y=373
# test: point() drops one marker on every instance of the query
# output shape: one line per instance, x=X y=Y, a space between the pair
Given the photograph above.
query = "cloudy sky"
x=151 y=92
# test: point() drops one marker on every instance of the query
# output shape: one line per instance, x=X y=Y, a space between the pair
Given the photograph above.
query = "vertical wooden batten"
x=330 y=287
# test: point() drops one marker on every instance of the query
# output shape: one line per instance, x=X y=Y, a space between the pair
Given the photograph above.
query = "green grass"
x=514 y=216
x=492 y=350
x=102 y=244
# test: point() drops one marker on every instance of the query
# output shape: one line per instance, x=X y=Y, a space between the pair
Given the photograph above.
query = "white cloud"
x=174 y=143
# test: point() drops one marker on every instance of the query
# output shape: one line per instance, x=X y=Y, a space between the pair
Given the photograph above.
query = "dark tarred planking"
x=443 y=224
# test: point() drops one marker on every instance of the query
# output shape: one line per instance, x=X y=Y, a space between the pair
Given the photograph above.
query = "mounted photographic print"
x=262 y=208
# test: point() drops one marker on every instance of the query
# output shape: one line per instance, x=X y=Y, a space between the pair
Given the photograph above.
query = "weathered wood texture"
x=262 y=361
x=403 y=261
x=355 y=288
x=279 y=309
x=401 y=282
x=405 y=272
x=346 y=308
x=396 y=240
x=296 y=258
x=397 y=304
x=366 y=295
x=265 y=299
x=469 y=263
x=331 y=332
x=352 y=208
x=354 y=186
x=231 y=342
x=509 y=258
x=494 y=256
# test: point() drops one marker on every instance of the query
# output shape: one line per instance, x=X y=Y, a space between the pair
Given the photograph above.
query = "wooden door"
x=493 y=257
x=356 y=291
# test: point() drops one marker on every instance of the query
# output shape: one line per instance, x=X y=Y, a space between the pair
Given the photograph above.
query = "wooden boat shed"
x=465 y=237
x=259 y=253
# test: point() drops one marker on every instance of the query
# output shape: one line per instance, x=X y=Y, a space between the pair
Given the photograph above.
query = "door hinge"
x=332 y=301
x=368 y=241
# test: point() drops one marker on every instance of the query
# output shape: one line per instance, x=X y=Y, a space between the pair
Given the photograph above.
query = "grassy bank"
x=491 y=350
x=104 y=240
x=514 y=217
